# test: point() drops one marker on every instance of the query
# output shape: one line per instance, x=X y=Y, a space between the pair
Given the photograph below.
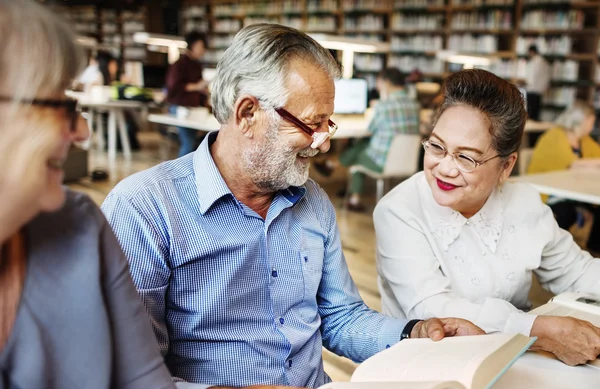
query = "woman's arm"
x=407 y=262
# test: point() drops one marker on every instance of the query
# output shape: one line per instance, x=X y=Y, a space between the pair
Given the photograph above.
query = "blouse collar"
x=446 y=224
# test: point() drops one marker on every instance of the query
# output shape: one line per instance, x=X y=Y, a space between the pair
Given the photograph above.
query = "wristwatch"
x=408 y=329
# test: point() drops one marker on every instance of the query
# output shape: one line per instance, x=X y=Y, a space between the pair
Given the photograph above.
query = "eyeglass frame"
x=72 y=107
x=425 y=143
x=318 y=141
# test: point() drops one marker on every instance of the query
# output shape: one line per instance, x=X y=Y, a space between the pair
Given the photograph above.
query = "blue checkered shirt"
x=398 y=114
x=236 y=299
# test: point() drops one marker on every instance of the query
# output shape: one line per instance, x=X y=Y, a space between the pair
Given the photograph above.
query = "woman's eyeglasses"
x=71 y=106
x=463 y=162
x=319 y=137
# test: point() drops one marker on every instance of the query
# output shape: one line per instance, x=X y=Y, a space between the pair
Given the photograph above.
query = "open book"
x=465 y=362
x=582 y=306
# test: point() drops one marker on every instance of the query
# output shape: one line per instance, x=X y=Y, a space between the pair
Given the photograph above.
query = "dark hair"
x=104 y=58
x=533 y=48
x=195 y=36
x=393 y=75
x=498 y=100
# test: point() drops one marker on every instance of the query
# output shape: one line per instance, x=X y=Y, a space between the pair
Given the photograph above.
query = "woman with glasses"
x=459 y=240
x=70 y=316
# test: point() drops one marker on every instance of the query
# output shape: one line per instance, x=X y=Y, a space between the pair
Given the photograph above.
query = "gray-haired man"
x=235 y=252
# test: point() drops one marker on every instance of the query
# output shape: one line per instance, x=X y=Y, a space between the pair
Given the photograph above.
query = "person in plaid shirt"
x=396 y=113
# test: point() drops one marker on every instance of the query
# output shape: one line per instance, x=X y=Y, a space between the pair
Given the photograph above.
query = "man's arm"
x=348 y=326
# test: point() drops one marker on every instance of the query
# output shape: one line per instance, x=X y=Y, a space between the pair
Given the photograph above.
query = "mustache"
x=308 y=153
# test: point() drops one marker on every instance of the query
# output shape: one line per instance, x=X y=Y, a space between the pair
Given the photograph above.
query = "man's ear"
x=245 y=110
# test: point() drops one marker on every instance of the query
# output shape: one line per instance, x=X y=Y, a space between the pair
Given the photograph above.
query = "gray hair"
x=572 y=118
x=256 y=64
x=38 y=52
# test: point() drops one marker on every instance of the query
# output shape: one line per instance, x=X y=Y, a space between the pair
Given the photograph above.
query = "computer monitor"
x=350 y=96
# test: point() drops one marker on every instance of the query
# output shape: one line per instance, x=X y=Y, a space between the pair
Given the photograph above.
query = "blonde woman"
x=70 y=315
x=570 y=146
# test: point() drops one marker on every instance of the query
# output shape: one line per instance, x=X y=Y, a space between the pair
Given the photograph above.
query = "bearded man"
x=236 y=254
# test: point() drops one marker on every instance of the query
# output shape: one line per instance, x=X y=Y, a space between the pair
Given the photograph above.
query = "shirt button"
x=290 y=363
x=274 y=272
x=305 y=259
x=281 y=320
x=483 y=253
x=387 y=346
x=468 y=223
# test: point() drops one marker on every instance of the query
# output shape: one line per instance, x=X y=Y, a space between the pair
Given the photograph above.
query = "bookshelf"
x=566 y=32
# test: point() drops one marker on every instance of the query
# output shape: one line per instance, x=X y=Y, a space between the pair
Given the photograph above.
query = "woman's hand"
x=573 y=341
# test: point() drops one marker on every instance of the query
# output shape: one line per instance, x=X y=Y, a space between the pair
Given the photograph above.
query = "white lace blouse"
x=433 y=262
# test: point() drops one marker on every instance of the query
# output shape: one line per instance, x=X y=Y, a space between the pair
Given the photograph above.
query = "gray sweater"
x=80 y=323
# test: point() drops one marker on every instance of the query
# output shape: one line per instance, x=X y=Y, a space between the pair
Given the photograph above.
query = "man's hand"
x=573 y=341
x=436 y=329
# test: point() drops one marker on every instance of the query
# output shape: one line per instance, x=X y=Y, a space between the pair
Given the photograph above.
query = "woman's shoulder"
x=406 y=197
x=78 y=215
x=521 y=196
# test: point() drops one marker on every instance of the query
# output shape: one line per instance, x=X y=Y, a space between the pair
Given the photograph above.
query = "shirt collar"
x=400 y=94
x=210 y=185
x=446 y=224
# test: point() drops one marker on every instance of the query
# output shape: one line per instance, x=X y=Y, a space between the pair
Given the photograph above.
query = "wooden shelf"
x=418 y=32
x=359 y=31
x=491 y=31
x=560 y=6
x=586 y=37
x=413 y=53
x=577 y=83
x=323 y=12
x=437 y=75
x=377 y=11
x=482 y=7
x=573 y=56
x=430 y=9
x=557 y=31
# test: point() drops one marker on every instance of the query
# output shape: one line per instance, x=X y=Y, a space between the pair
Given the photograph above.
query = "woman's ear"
x=507 y=166
x=245 y=110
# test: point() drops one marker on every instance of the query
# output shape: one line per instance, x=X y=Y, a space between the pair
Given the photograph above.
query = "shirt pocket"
x=312 y=271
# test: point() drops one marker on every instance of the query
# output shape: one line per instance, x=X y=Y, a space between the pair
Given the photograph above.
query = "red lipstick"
x=444 y=185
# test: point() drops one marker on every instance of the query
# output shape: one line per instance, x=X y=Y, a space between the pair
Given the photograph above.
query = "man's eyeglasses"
x=463 y=162
x=318 y=137
x=71 y=106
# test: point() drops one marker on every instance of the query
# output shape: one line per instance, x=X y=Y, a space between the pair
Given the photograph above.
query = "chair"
x=525 y=155
x=402 y=161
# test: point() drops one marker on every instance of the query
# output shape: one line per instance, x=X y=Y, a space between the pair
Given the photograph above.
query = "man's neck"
x=246 y=191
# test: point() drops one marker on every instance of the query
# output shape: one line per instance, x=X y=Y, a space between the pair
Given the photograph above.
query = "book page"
x=585 y=302
x=560 y=309
x=393 y=385
x=451 y=359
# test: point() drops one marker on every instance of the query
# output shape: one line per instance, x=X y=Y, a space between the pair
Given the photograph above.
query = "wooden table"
x=579 y=185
